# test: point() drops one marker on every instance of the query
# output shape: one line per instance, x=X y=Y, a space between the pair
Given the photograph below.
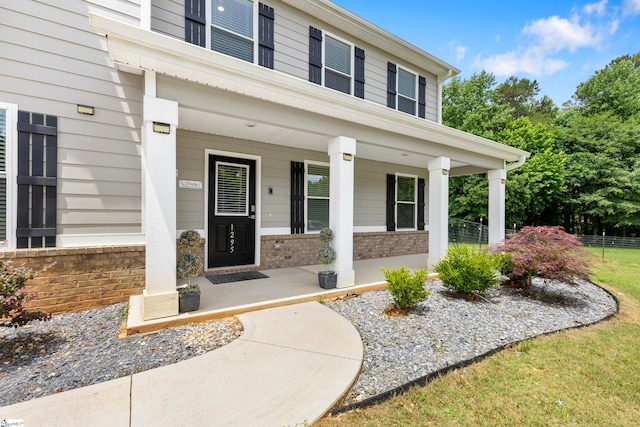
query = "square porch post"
x=160 y=298
x=438 y=209
x=497 y=179
x=342 y=152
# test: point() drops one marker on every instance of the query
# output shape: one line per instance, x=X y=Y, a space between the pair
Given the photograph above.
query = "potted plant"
x=326 y=255
x=189 y=266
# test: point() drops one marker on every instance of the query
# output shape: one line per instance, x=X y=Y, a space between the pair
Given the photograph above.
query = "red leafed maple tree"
x=549 y=252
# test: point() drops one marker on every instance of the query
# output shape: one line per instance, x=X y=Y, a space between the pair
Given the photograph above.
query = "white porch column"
x=160 y=298
x=438 y=209
x=497 y=179
x=342 y=152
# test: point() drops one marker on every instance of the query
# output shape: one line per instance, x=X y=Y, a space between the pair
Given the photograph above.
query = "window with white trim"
x=7 y=122
x=317 y=196
x=232 y=28
x=406 y=206
x=338 y=57
x=407 y=90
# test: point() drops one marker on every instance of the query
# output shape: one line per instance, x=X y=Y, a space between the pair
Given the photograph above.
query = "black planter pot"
x=327 y=281
x=189 y=302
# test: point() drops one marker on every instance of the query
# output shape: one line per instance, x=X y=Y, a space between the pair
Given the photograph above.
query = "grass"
x=589 y=376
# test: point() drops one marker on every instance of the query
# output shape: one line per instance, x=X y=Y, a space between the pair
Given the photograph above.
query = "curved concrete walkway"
x=290 y=366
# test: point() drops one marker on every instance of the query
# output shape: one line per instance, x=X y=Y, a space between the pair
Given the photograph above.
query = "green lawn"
x=589 y=376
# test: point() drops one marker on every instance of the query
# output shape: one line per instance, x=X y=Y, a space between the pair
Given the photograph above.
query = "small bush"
x=14 y=294
x=189 y=266
x=549 y=252
x=406 y=290
x=466 y=270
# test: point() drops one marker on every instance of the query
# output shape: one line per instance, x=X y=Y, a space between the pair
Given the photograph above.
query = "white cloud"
x=589 y=27
x=461 y=51
x=555 y=34
x=631 y=7
x=532 y=61
x=596 y=8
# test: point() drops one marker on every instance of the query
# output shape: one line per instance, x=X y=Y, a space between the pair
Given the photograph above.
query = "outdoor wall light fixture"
x=86 y=109
x=161 y=127
x=445 y=171
x=346 y=156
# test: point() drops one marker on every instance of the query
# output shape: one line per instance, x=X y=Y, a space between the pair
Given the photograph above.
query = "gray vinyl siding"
x=50 y=61
x=291 y=39
x=432 y=97
x=167 y=17
x=370 y=196
x=375 y=75
x=276 y=173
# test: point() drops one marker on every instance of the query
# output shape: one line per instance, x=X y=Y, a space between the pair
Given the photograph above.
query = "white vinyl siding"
x=98 y=156
x=167 y=17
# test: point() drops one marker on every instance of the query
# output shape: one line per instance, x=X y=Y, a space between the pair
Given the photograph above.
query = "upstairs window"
x=407 y=83
x=232 y=28
x=337 y=60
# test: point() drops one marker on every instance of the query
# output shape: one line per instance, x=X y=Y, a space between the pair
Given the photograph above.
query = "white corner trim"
x=275 y=231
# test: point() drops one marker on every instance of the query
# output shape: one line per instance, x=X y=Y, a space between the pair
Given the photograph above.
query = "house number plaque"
x=232 y=239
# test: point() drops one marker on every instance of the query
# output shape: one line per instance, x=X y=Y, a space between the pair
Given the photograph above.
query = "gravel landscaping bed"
x=446 y=329
x=78 y=349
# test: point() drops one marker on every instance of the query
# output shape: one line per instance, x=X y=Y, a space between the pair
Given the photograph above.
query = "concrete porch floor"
x=284 y=286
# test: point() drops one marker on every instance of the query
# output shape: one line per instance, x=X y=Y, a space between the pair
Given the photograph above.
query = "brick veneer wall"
x=291 y=250
x=82 y=278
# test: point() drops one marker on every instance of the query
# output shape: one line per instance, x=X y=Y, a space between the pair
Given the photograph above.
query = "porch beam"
x=497 y=180
x=160 y=298
x=342 y=151
x=438 y=209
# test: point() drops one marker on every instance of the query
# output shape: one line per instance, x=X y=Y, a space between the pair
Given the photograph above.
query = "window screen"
x=337 y=65
x=317 y=197
x=406 y=91
x=406 y=202
x=232 y=28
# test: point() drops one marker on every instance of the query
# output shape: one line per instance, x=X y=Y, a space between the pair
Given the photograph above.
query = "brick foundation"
x=91 y=277
x=82 y=278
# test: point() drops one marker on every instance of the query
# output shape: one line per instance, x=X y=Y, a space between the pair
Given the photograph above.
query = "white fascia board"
x=350 y=23
x=137 y=48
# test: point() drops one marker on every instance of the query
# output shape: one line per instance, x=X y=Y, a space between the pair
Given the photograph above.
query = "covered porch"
x=283 y=286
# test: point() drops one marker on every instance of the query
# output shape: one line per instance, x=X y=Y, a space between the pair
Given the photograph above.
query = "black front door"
x=232 y=211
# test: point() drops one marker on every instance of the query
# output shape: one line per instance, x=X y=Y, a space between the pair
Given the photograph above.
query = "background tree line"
x=584 y=169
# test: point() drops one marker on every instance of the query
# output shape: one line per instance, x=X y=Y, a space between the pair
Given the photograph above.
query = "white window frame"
x=351 y=59
x=306 y=194
x=415 y=88
x=414 y=203
x=255 y=30
x=11 y=166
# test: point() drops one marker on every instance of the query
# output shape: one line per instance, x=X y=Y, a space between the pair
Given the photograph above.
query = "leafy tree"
x=472 y=105
x=615 y=89
x=549 y=252
x=521 y=96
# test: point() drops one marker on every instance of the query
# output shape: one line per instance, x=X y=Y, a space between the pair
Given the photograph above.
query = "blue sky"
x=559 y=43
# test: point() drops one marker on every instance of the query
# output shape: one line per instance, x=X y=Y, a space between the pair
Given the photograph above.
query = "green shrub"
x=406 y=290
x=466 y=270
x=14 y=295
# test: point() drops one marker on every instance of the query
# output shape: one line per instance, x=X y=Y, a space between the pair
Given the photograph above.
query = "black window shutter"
x=37 y=170
x=315 y=55
x=391 y=85
x=358 y=89
x=421 y=187
x=391 y=202
x=195 y=22
x=297 y=197
x=265 y=39
x=422 y=97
